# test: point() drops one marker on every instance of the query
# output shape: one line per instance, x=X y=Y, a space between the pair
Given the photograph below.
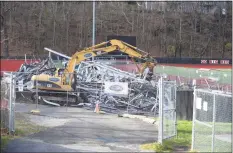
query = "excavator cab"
x=60 y=72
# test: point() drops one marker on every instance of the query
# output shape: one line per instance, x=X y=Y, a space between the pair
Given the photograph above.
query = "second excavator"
x=53 y=88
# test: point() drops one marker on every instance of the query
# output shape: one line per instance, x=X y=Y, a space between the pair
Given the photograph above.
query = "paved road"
x=78 y=129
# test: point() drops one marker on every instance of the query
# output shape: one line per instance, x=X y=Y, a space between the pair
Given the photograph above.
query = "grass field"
x=222 y=75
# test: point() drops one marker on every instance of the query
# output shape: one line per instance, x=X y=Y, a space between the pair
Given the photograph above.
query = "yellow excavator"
x=55 y=87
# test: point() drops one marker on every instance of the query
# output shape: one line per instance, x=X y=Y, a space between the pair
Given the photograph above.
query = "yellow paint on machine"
x=44 y=77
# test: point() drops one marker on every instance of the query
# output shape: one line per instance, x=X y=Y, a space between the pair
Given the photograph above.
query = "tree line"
x=161 y=28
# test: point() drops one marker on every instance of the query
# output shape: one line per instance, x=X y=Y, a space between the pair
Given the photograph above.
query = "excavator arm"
x=101 y=49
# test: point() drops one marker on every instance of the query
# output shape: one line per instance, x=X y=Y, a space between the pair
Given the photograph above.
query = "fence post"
x=160 y=136
x=213 y=126
x=36 y=90
x=10 y=105
x=194 y=116
x=13 y=105
x=175 y=108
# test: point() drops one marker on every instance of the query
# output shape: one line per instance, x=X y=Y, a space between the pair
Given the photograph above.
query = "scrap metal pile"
x=26 y=71
x=92 y=77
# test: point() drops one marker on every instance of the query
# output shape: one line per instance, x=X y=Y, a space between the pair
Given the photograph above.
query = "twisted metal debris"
x=142 y=93
x=91 y=77
x=26 y=71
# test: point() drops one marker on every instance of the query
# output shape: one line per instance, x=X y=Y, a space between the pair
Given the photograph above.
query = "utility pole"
x=93 y=27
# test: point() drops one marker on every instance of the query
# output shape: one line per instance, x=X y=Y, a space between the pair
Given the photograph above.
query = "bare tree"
x=4 y=29
x=160 y=27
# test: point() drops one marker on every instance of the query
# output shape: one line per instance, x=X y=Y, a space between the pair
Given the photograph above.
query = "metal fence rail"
x=212 y=121
x=7 y=103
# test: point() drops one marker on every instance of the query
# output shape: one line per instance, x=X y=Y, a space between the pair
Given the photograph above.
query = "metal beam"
x=52 y=51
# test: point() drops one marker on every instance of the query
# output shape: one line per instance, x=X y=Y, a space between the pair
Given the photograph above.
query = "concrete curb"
x=141 y=117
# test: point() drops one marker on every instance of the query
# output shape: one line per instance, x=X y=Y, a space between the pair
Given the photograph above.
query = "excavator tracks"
x=57 y=99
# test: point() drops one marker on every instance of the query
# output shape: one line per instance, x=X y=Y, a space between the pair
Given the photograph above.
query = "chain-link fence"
x=7 y=103
x=167 y=109
x=212 y=121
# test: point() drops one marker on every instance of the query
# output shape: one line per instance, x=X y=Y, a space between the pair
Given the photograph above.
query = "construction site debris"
x=92 y=78
x=26 y=71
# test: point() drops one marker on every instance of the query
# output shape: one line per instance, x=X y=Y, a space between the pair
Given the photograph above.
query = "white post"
x=13 y=104
x=10 y=105
x=160 y=136
x=179 y=78
x=213 y=127
x=175 y=109
x=25 y=58
x=194 y=115
x=37 y=95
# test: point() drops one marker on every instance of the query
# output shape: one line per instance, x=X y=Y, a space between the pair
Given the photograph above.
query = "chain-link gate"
x=167 y=109
x=212 y=121
x=8 y=103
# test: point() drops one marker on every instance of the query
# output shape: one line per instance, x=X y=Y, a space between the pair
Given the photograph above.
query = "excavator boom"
x=101 y=49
